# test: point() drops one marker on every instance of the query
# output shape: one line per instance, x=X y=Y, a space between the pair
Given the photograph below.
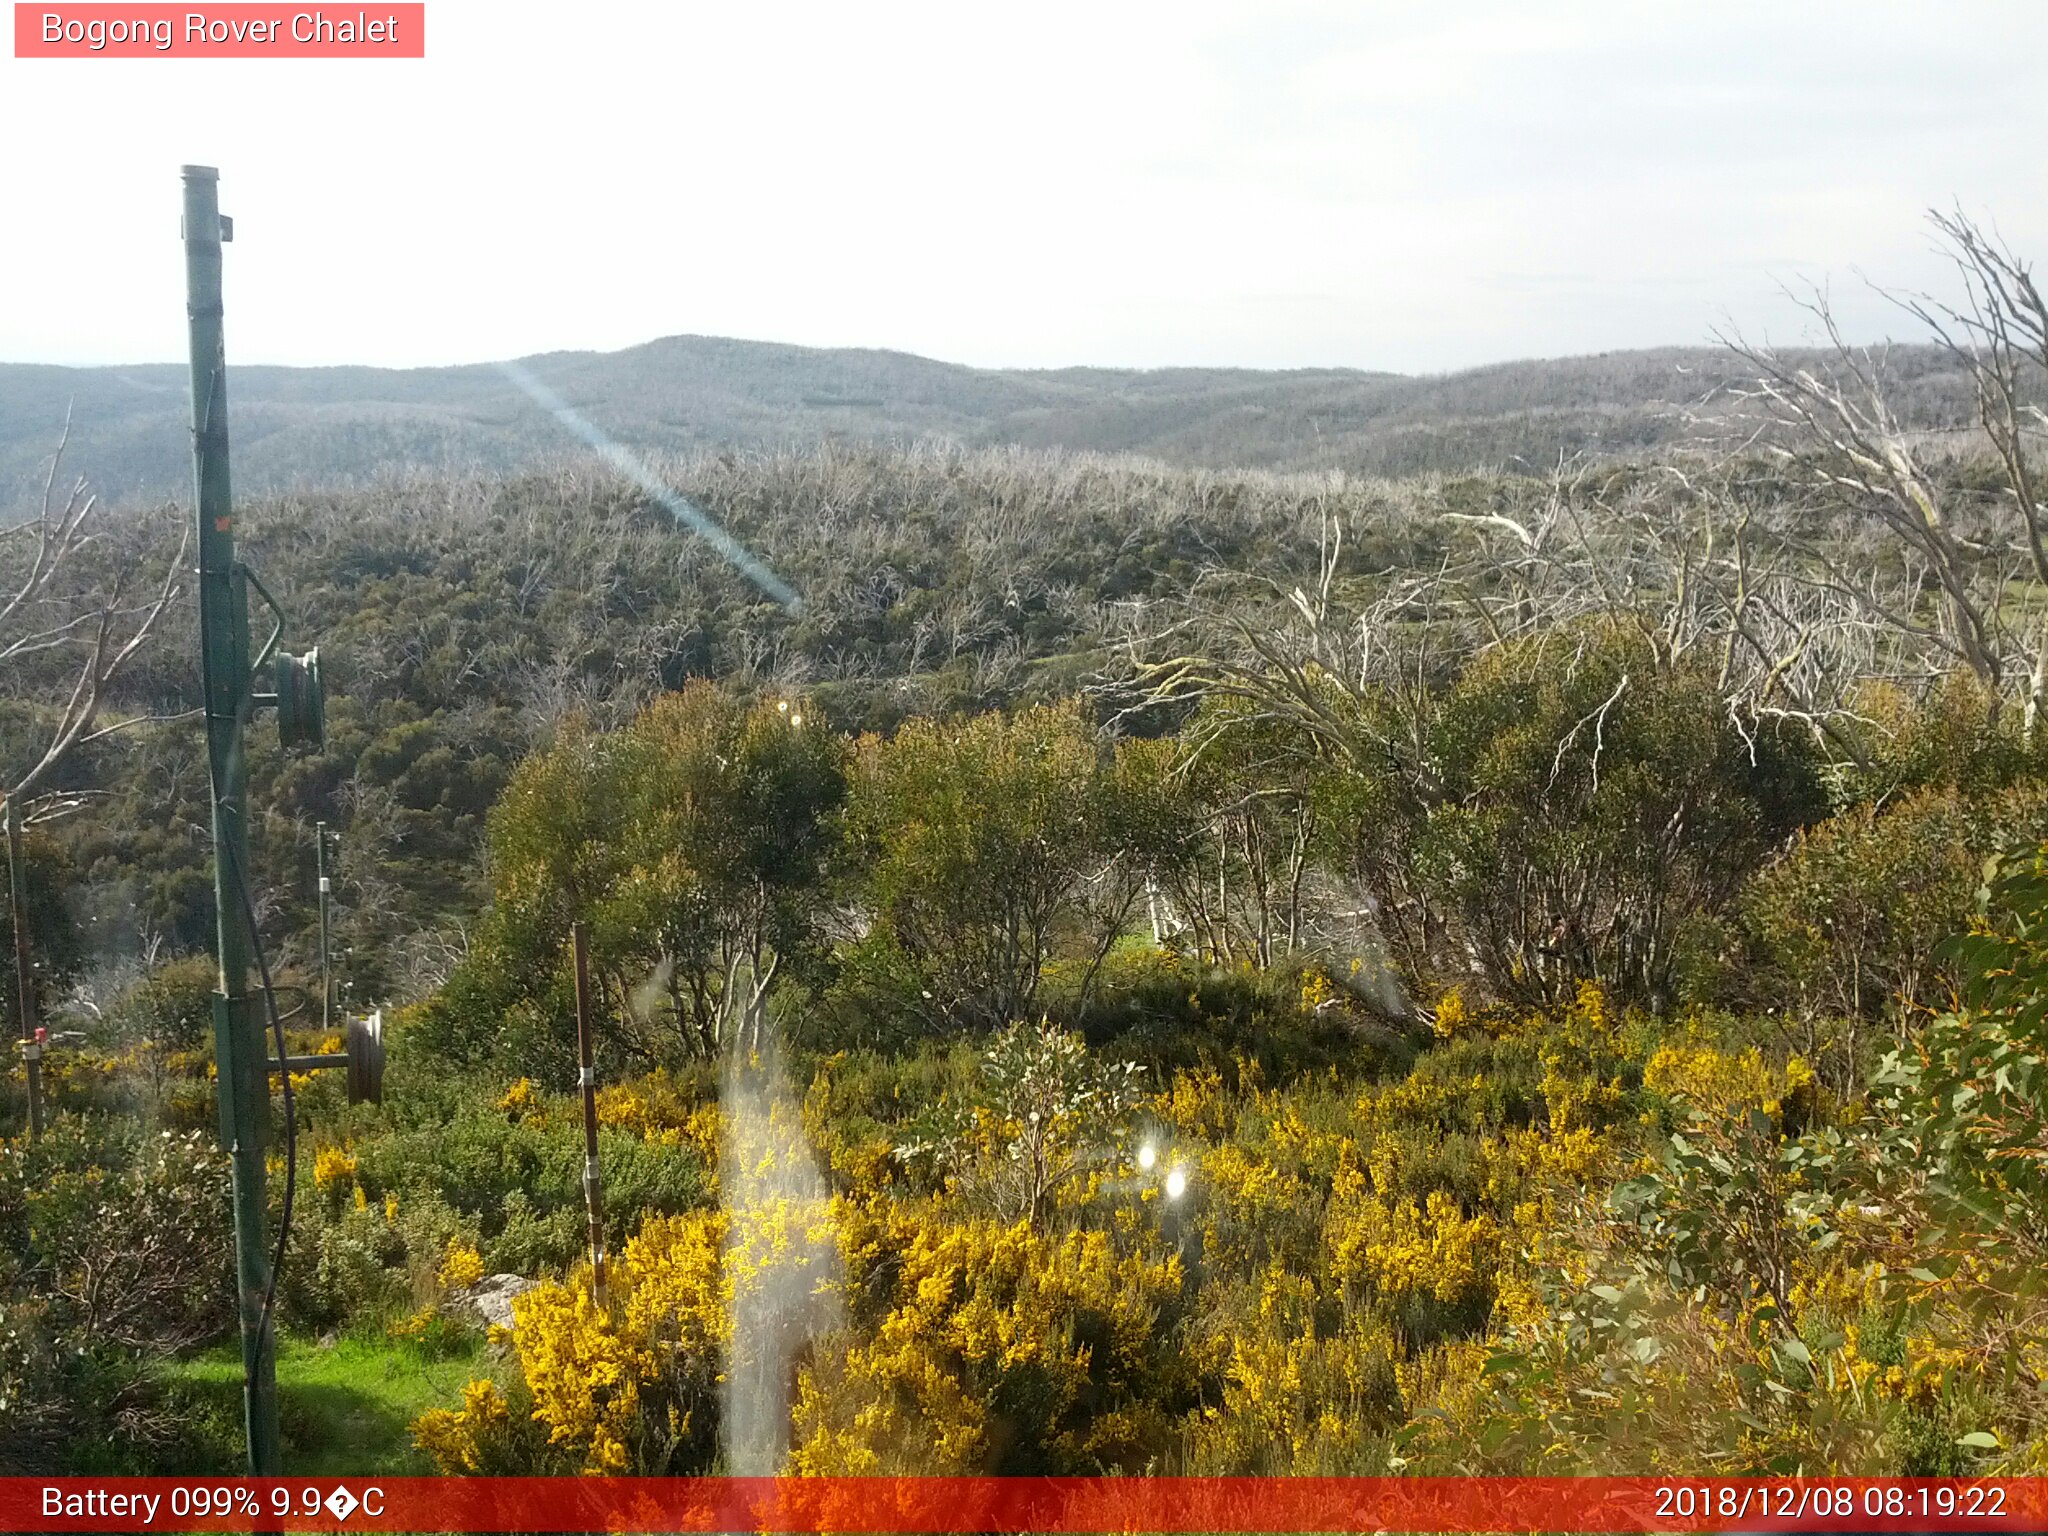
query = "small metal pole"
x=24 y=973
x=593 y=1186
x=326 y=985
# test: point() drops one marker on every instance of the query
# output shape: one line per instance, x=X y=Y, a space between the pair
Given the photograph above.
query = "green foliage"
x=1975 y=1093
x=1801 y=1283
x=693 y=843
x=989 y=845
x=345 y=1263
x=1732 y=1207
x=1849 y=920
x=1589 y=798
x=171 y=1007
x=510 y=1178
x=1950 y=737
x=1244 y=803
x=1170 y=1010
x=537 y=1236
x=117 y=1255
x=1238 y=904
x=124 y=1231
x=56 y=946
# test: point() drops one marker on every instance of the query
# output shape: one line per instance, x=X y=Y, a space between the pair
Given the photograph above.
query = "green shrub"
x=171 y=1007
x=1952 y=737
x=341 y=1266
x=1849 y=923
x=451 y=1162
x=530 y=1242
x=988 y=846
x=116 y=1255
x=1589 y=797
x=1172 y=1012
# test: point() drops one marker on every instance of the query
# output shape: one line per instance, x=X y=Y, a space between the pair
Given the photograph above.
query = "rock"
x=491 y=1298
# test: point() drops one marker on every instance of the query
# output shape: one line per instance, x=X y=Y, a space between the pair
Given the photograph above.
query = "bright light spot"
x=796 y=720
x=1176 y=1184
x=783 y=706
x=1147 y=1156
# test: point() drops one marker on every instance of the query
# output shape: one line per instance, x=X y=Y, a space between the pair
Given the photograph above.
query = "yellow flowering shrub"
x=461 y=1267
x=584 y=1377
x=1432 y=1265
x=611 y=1390
x=1297 y=1398
x=1429 y=1270
x=1711 y=1078
x=456 y=1439
x=486 y=1436
x=1291 y=1141
x=1254 y=1211
x=649 y=1105
x=1534 y=1176
x=1451 y=1014
x=332 y=1164
x=1195 y=1103
x=1317 y=990
x=634 y=1386
x=521 y=1099
x=979 y=1346
x=704 y=1129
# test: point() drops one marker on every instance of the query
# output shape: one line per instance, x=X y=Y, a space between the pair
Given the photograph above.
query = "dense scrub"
x=463 y=621
x=1320 y=1020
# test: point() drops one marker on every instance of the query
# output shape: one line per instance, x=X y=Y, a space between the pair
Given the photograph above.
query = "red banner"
x=227 y=31
x=1106 y=1504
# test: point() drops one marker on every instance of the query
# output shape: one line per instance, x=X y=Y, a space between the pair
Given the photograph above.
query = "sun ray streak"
x=736 y=553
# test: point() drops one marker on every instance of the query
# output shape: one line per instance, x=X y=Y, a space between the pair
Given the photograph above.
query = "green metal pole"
x=225 y=675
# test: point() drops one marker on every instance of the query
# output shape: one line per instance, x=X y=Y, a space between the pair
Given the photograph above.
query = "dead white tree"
x=1708 y=569
x=61 y=620
x=1832 y=423
x=1998 y=331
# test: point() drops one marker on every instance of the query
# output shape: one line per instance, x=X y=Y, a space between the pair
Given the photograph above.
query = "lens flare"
x=742 y=558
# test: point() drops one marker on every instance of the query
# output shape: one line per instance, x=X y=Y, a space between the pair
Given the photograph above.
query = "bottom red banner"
x=1021 y=1504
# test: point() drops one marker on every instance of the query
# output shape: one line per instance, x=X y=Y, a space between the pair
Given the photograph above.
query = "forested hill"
x=302 y=427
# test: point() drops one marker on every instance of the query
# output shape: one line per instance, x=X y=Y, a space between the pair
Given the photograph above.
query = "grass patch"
x=345 y=1409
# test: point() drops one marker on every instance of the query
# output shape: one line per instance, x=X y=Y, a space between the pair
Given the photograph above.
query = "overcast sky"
x=1412 y=187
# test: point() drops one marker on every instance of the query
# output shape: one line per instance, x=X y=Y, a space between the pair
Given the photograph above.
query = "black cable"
x=291 y=1122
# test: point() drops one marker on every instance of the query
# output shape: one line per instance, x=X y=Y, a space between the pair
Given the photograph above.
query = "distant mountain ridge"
x=345 y=425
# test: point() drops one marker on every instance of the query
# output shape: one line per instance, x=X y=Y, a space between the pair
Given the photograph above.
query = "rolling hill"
x=347 y=425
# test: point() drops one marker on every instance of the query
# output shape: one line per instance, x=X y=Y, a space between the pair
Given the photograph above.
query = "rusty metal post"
x=24 y=967
x=326 y=980
x=593 y=1185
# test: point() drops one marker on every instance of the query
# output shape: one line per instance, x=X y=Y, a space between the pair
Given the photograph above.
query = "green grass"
x=346 y=1408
